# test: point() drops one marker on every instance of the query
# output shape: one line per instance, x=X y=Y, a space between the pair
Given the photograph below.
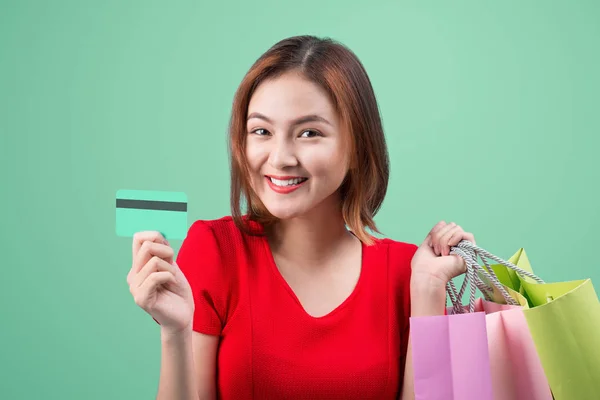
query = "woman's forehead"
x=289 y=97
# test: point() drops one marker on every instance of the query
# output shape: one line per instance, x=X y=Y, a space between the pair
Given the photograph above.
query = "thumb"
x=427 y=247
x=457 y=263
x=427 y=241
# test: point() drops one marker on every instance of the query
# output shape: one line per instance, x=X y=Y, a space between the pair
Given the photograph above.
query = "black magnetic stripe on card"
x=152 y=205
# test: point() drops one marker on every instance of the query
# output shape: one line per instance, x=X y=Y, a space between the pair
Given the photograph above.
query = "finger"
x=140 y=237
x=149 y=250
x=437 y=227
x=437 y=238
x=458 y=236
x=434 y=231
x=150 y=285
x=155 y=264
x=451 y=238
x=470 y=237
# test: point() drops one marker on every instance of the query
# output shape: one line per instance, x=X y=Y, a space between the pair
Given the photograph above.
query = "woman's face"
x=297 y=154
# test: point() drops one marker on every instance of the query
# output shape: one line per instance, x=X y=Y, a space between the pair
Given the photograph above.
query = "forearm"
x=177 y=373
x=427 y=299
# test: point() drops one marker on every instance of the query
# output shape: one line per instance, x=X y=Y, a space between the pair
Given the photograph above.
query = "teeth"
x=288 y=182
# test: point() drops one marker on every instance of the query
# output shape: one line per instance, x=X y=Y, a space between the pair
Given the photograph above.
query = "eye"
x=310 y=133
x=260 y=132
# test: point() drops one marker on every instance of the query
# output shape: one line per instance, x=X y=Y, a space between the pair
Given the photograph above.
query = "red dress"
x=270 y=348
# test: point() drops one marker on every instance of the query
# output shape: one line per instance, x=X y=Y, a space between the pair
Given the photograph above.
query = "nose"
x=282 y=154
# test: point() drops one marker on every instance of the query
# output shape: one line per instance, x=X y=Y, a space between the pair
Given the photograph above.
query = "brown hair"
x=336 y=69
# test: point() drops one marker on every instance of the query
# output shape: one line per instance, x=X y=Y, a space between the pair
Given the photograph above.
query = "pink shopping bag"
x=517 y=372
x=451 y=358
x=483 y=351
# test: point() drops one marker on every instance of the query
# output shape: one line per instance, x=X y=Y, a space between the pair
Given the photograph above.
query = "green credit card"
x=147 y=210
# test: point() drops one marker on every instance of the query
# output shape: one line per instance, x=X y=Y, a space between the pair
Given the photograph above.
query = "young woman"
x=293 y=298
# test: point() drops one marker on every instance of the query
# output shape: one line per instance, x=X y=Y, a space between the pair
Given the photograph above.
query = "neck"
x=313 y=238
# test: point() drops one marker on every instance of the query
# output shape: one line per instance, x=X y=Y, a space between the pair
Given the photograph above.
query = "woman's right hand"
x=157 y=284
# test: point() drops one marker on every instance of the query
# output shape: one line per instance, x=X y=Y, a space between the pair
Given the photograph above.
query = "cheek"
x=255 y=155
x=327 y=162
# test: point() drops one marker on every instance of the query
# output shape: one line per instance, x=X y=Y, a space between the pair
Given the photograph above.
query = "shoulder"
x=398 y=246
x=209 y=258
x=212 y=245
x=213 y=227
x=222 y=232
x=399 y=255
x=219 y=224
x=397 y=250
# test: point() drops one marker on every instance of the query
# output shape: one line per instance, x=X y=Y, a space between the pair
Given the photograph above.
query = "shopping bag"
x=480 y=351
x=517 y=372
x=564 y=320
x=450 y=357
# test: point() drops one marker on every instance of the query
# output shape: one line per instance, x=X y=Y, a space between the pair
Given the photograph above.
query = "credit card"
x=149 y=210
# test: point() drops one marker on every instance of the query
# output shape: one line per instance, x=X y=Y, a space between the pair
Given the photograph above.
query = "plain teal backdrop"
x=490 y=109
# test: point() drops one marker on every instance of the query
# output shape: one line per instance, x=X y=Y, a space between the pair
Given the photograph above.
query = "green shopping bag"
x=564 y=320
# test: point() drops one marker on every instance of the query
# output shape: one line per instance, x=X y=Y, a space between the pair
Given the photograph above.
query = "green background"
x=490 y=110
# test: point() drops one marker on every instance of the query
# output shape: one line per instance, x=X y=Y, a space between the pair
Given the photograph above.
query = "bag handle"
x=470 y=253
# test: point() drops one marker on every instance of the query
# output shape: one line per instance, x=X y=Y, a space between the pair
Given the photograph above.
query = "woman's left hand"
x=432 y=262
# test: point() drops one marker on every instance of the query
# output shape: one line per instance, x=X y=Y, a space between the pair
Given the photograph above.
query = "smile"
x=285 y=184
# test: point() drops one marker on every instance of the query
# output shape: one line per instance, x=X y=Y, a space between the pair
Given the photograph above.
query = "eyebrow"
x=297 y=121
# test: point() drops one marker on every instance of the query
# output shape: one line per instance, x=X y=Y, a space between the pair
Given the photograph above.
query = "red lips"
x=284 y=189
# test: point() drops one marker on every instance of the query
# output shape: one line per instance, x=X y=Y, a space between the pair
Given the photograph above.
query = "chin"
x=282 y=212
